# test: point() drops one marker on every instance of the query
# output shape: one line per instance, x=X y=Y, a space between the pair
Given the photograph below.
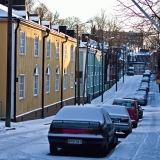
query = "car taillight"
x=56 y=130
x=99 y=131
x=124 y=120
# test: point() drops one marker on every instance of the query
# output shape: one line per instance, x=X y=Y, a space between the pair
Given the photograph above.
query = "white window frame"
x=48 y=82
x=22 y=43
x=57 y=79
x=48 y=48
x=65 y=79
x=36 y=81
x=57 y=50
x=65 y=52
x=36 y=46
x=72 y=80
x=21 y=86
x=72 y=53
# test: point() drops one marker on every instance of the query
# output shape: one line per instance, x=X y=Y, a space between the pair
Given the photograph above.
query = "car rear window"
x=127 y=104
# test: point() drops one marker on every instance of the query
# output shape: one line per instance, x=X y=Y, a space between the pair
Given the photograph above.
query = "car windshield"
x=127 y=104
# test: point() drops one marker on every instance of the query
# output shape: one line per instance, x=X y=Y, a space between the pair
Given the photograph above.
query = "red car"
x=132 y=108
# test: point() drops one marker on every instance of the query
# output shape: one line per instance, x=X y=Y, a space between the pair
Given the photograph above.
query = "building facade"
x=43 y=62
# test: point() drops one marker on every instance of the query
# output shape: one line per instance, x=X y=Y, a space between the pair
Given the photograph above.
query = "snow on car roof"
x=115 y=109
x=84 y=113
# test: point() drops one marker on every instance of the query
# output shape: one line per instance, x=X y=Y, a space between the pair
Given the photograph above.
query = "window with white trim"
x=36 y=81
x=57 y=78
x=22 y=43
x=36 y=46
x=57 y=50
x=65 y=52
x=48 y=48
x=72 y=53
x=65 y=79
x=72 y=80
x=21 y=86
x=48 y=73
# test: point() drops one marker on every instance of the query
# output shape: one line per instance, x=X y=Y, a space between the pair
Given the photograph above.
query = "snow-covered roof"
x=4 y=11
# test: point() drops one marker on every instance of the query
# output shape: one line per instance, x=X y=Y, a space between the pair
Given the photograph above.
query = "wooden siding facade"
x=30 y=107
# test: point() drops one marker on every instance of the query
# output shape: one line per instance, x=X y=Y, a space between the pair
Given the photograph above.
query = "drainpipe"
x=43 y=59
x=15 y=67
x=62 y=72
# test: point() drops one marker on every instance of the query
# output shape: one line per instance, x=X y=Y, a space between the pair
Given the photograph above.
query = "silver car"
x=120 y=117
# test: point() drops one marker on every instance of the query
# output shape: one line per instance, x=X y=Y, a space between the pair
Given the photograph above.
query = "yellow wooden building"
x=43 y=67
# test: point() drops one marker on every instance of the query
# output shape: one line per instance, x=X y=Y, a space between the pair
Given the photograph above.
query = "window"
x=48 y=48
x=57 y=78
x=65 y=52
x=71 y=80
x=72 y=53
x=36 y=80
x=22 y=43
x=36 y=46
x=57 y=50
x=65 y=79
x=21 y=86
x=48 y=72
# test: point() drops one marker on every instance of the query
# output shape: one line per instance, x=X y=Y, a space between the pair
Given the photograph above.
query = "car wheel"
x=53 y=149
x=128 y=132
x=135 y=125
x=114 y=142
x=104 y=150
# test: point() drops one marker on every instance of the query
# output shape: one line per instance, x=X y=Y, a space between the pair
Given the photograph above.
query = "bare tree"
x=133 y=18
x=106 y=27
x=30 y=5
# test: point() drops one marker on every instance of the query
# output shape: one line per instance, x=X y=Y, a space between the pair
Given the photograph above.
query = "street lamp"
x=78 y=77
x=103 y=65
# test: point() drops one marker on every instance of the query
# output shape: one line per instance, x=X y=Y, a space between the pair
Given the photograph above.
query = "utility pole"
x=78 y=65
x=9 y=65
x=102 y=70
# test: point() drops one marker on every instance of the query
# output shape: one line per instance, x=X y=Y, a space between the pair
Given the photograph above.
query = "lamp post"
x=78 y=77
x=123 y=66
x=102 y=72
x=78 y=65
x=116 y=70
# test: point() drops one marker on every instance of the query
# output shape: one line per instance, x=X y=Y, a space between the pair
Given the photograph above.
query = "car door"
x=110 y=125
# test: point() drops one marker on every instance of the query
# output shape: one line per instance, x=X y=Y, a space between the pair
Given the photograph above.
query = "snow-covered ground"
x=28 y=140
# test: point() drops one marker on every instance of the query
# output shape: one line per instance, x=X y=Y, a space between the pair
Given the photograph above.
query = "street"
x=28 y=140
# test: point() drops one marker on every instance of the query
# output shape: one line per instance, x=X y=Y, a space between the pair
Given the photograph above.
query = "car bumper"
x=61 y=141
x=122 y=127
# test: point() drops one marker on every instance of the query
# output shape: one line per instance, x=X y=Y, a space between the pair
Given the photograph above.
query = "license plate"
x=74 y=141
x=116 y=120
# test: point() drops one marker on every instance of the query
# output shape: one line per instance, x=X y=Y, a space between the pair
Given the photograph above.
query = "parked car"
x=131 y=106
x=120 y=118
x=82 y=127
x=146 y=74
x=140 y=111
x=139 y=101
x=145 y=84
x=130 y=71
x=145 y=79
x=142 y=99
x=143 y=88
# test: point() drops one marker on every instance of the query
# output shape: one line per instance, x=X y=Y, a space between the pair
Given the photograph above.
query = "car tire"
x=135 y=125
x=53 y=150
x=104 y=150
x=128 y=132
x=114 y=142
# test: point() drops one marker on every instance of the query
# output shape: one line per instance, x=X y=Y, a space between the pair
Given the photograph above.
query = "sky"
x=84 y=9
x=28 y=140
